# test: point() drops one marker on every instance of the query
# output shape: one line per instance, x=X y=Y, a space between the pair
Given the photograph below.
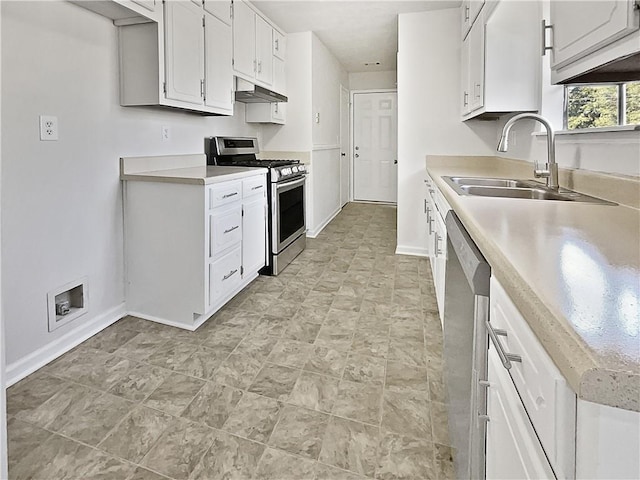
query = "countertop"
x=572 y=269
x=190 y=169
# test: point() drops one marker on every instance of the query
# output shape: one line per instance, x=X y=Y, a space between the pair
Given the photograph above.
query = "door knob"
x=343 y=154
x=357 y=148
x=395 y=162
x=357 y=155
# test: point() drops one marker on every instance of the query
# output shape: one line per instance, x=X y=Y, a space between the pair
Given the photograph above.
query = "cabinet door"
x=221 y=9
x=278 y=112
x=244 y=39
x=513 y=450
x=219 y=73
x=476 y=66
x=580 y=28
x=264 y=55
x=184 y=45
x=279 y=76
x=254 y=238
x=440 y=254
x=279 y=45
x=148 y=4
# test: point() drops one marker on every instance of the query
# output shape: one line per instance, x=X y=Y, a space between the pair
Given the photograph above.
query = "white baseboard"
x=315 y=232
x=406 y=250
x=19 y=369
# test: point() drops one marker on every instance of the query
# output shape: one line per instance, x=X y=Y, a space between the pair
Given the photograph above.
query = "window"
x=601 y=105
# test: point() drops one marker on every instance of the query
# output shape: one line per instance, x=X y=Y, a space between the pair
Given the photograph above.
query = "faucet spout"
x=551 y=170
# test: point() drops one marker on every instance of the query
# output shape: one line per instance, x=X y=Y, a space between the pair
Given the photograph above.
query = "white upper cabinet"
x=469 y=12
x=183 y=62
x=501 y=61
x=279 y=45
x=184 y=43
x=244 y=40
x=258 y=46
x=125 y=12
x=580 y=28
x=218 y=89
x=264 y=53
x=589 y=34
x=221 y=9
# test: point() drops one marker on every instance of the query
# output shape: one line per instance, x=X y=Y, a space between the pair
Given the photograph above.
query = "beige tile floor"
x=332 y=370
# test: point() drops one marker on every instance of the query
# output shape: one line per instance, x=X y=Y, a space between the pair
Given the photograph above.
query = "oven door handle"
x=291 y=183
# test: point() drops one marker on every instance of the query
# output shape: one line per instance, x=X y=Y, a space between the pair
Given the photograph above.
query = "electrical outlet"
x=166 y=133
x=48 y=128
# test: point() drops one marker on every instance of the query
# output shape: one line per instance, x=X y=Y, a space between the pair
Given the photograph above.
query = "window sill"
x=619 y=128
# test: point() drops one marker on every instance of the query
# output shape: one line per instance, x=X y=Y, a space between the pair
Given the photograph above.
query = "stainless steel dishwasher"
x=466 y=310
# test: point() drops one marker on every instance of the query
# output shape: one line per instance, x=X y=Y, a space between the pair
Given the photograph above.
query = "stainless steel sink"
x=493 y=182
x=512 y=188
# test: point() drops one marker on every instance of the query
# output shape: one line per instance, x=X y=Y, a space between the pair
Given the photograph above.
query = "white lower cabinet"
x=225 y=274
x=254 y=246
x=436 y=208
x=513 y=449
x=190 y=248
x=534 y=407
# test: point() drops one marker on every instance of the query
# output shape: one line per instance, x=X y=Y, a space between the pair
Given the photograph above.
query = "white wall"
x=4 y=470
x=373 y=80
x=429 y=113
x=61 y=201
x=295 y=135
x=327 y=77
x=612 y=152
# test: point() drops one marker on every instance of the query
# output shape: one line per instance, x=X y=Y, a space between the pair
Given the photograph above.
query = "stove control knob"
x=286 y=171
x=295 y=169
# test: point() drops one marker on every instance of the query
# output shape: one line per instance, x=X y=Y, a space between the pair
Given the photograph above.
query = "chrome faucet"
x=551 y=171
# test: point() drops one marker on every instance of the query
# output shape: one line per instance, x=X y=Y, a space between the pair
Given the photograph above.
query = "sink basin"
x=492 y=182
x=514 y=192
x=512 y=188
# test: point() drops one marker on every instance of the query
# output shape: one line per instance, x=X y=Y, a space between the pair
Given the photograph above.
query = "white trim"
x=582 y=131
x=19 y=369
x=374 y=90
x=413 y=251
x=317 y=148
x=314 y=233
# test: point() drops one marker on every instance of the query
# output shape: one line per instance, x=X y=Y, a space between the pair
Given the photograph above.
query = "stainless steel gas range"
x=286 y=198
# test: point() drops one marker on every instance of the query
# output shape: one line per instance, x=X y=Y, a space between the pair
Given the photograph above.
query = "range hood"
x=247 y=92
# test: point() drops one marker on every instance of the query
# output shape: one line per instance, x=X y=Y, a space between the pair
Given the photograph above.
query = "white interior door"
x=375 y=147
x=344 y=146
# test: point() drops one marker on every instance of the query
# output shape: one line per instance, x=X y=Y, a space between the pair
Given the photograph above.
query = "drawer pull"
x=230 y=274
x=505 y=358
x=229 y=230
x=257 y=187
x=228 y=195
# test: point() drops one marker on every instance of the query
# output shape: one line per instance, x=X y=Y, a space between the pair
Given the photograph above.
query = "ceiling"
x=354 y=31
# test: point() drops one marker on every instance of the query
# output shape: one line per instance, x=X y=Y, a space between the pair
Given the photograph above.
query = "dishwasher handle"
x=505 y=358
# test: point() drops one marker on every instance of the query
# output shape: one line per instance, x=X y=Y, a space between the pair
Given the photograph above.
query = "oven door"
x=287 y=214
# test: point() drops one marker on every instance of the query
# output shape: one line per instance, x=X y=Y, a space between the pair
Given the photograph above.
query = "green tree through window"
x=593 y=106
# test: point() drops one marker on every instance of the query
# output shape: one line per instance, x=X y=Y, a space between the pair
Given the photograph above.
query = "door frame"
x=352 y=129
x=349 y=140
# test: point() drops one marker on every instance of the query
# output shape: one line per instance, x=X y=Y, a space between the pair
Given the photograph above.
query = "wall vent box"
x=71 y=298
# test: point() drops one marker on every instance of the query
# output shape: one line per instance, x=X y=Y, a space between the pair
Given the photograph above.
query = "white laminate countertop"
x=573 y=271
x=190 y=169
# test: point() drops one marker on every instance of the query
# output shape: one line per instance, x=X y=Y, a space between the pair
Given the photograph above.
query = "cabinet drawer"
x=225 y=229
x=224 y=275
x=545 y=393
x=224 y=193
x=254 y=186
